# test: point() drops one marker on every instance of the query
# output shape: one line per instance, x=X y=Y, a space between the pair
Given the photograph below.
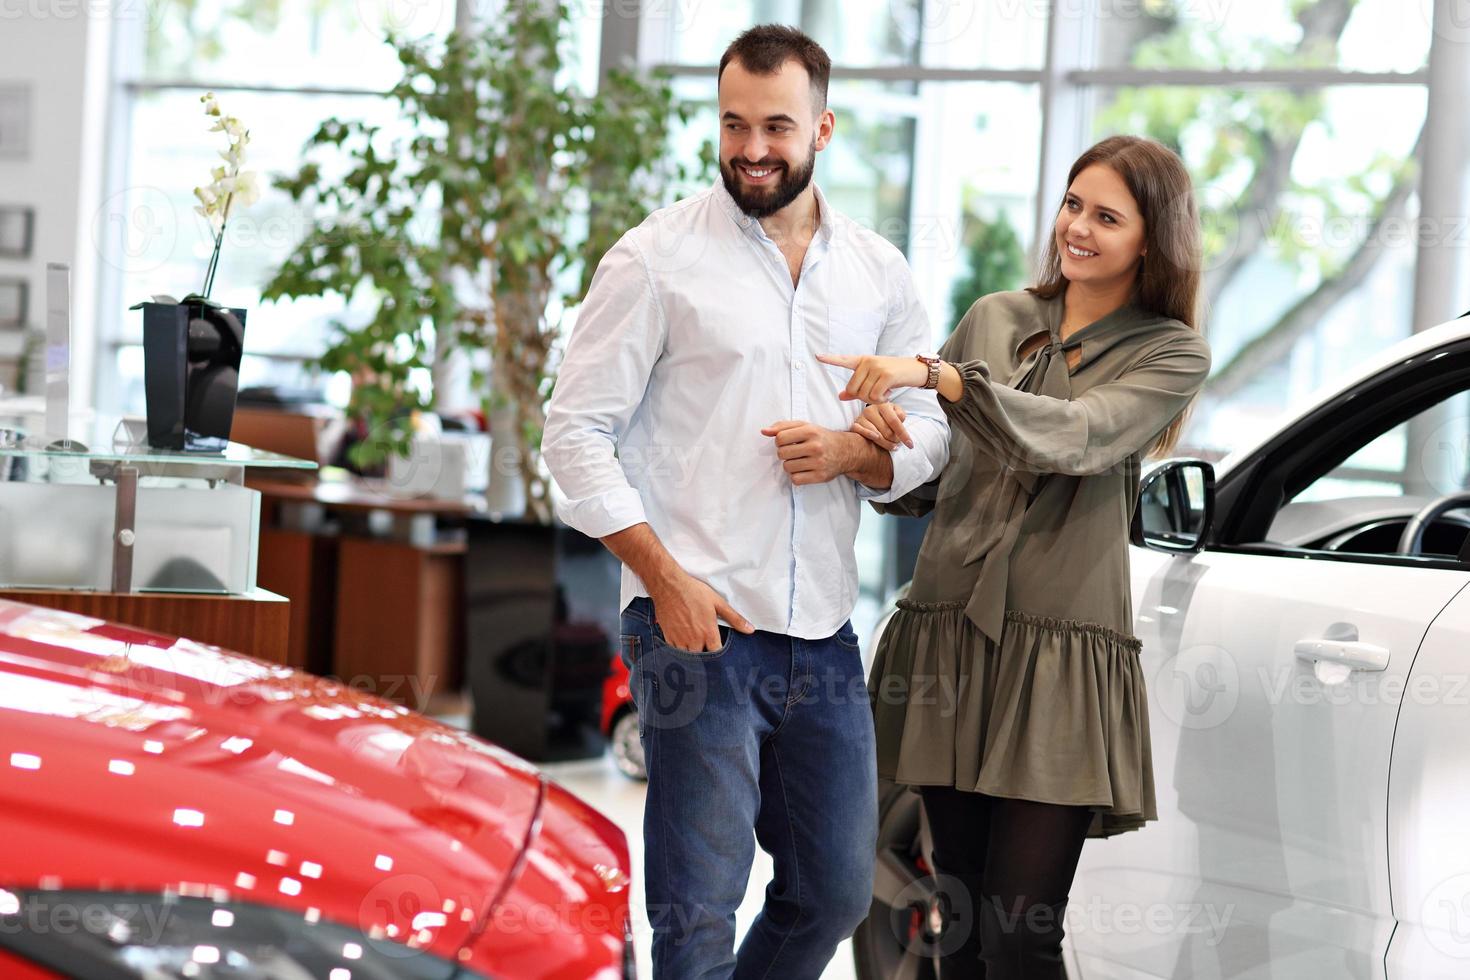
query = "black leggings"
x=1006 y=866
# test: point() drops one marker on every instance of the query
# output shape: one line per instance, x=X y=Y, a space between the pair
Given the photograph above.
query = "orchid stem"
x=213 y=264
x=214 y=256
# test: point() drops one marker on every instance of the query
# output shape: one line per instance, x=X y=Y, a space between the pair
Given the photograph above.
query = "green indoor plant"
x=480 y=230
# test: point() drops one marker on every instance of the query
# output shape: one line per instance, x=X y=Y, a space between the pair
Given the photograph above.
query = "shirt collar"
x=751 y=225
x=824 y=215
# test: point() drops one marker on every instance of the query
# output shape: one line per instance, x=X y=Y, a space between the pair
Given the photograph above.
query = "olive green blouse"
x=1032 y=512
x=1011 y=668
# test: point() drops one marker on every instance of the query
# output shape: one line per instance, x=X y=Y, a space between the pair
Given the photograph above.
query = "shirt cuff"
x=910 y=469
x=604 y=514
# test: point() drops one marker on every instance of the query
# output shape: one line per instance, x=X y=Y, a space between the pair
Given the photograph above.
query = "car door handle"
x=1350 y=653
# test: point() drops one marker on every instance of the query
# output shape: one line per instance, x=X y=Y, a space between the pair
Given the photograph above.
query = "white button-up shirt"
x=692 y=339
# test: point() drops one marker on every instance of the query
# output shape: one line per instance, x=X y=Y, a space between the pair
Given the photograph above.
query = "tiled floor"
x=599 y=783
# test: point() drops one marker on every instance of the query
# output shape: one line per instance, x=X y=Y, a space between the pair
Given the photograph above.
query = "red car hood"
x=134 y=762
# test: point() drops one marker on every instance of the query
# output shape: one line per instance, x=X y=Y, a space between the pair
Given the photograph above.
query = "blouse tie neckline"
x=1043 y=372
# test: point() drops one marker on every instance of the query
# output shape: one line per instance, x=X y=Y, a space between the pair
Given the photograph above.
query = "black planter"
x=191 y=371
x=541 y=624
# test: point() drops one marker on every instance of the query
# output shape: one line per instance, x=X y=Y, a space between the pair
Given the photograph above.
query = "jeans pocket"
x=726 y=635
x=847 y=636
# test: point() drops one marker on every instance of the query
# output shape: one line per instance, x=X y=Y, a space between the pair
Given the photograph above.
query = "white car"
x=1306 y=640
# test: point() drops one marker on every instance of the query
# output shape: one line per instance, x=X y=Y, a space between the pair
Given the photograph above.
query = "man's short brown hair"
x=763 y=49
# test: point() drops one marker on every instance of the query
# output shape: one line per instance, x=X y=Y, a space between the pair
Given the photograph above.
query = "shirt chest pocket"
x=852 y=330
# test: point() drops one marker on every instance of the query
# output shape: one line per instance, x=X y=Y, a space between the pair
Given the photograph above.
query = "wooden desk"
x=302 y=567
x=383 y=613
x=256 y=624
x=400 y=620
x=352 y=495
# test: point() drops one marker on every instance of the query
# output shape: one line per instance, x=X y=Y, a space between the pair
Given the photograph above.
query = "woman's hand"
x=873 y=376
x=882 y=425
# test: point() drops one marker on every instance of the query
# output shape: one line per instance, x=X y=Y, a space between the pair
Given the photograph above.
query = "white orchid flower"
x=247 y=189
x=229 y=187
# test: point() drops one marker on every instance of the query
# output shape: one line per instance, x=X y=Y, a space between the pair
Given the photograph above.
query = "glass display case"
x=115 y=514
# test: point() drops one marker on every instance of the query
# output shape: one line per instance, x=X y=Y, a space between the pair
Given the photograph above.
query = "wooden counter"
x=256 y=624
x=384 y=613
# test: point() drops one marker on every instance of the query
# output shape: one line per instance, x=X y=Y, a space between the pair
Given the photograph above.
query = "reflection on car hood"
x=134 y=762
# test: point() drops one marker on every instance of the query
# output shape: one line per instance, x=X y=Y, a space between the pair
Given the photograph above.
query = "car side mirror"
x=1176 y=503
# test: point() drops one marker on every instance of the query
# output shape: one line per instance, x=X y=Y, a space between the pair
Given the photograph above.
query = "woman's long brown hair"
x=1169 y=275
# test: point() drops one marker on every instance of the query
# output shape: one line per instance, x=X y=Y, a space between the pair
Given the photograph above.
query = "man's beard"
x=762 y=202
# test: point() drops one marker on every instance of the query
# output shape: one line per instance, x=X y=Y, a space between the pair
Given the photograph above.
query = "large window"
x=1307 y=181
x=1309 y=212
x=1309 y=258
x=1299 y=121
x=870 y=33
x=1347 y=35
x=282 y=68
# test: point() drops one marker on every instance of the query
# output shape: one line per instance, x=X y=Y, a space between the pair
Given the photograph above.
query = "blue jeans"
x=769 y=739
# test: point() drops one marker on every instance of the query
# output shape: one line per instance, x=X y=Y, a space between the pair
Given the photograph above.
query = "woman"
x=1007 y=687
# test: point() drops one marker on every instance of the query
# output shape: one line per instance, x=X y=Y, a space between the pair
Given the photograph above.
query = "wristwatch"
x=933 y=361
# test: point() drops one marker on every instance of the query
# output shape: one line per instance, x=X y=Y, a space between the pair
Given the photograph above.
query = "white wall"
x=58 y=48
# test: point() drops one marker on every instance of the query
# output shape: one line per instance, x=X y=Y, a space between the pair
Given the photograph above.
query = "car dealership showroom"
x=516 y=489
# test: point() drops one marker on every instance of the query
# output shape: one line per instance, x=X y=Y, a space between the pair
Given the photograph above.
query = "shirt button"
x=800 y=366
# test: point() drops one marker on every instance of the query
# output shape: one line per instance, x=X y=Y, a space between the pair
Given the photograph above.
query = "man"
x=694 y=432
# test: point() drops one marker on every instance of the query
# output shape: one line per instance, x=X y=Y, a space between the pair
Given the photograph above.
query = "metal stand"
x=124 y=524
x=124 y=476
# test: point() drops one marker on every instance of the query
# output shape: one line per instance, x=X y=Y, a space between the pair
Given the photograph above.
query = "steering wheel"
x=1411 y=542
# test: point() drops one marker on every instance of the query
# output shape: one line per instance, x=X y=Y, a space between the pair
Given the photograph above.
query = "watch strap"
x=933 y=364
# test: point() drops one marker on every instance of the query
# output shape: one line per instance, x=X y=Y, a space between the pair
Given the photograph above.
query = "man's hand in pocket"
x=688 y=611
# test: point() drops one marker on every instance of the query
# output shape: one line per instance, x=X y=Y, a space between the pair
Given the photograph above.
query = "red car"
x=168 y=809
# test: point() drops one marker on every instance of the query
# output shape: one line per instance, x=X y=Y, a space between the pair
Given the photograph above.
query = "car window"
x=1425 y=456
x=1362 y=504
